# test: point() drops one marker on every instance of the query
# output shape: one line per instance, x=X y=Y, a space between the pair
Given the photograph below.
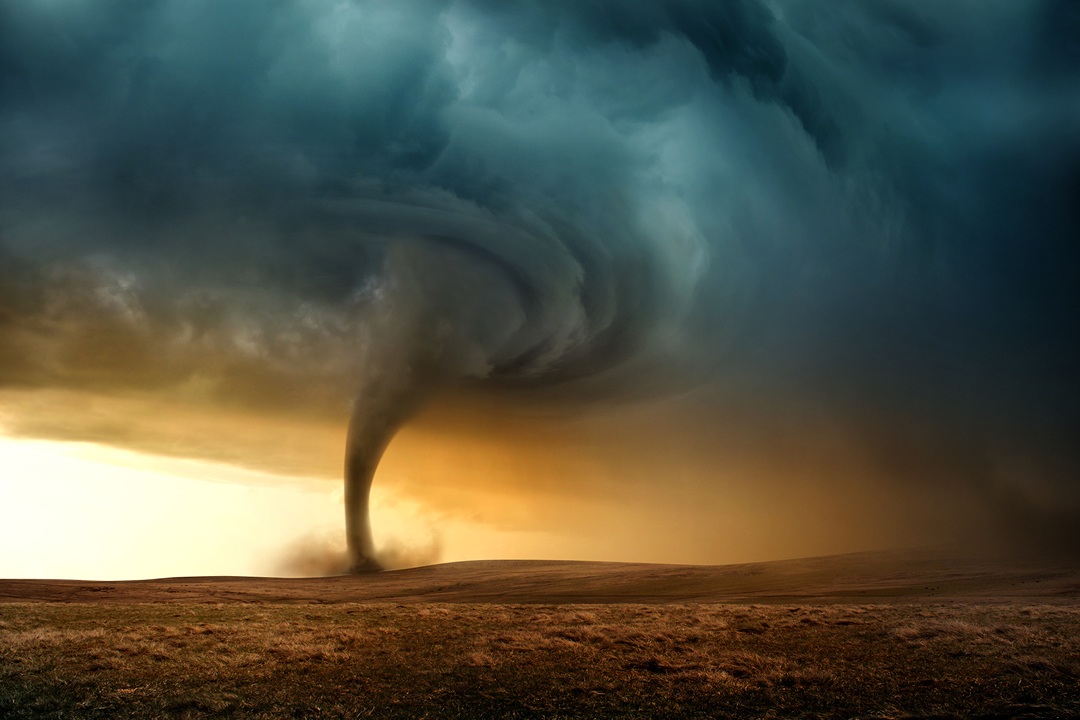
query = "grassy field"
x=530 y=661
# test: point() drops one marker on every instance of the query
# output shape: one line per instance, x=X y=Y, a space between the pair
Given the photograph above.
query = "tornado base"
x=364 y=565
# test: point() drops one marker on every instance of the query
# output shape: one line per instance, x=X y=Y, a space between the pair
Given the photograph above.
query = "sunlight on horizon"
x=87 y=511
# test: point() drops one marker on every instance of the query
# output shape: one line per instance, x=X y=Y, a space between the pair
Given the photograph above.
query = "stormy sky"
x=799 y=272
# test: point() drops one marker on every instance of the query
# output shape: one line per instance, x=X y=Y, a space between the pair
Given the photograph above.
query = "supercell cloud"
x=867 y=208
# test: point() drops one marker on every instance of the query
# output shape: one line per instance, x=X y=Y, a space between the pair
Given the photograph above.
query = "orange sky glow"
x=134 y=489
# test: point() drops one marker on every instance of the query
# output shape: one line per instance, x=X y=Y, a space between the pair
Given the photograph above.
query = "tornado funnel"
x=366 y=442
x=381 y=407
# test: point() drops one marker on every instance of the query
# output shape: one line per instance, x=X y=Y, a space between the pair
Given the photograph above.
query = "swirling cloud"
x=866 y=206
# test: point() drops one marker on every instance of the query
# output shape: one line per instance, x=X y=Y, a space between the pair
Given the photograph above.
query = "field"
x=898 y=656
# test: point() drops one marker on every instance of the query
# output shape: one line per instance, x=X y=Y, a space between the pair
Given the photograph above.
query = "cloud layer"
x=864 y=208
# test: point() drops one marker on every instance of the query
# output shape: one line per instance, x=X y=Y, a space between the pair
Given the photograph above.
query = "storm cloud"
x=862 y=210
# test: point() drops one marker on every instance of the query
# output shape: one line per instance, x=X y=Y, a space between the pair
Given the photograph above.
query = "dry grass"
x=476 y=661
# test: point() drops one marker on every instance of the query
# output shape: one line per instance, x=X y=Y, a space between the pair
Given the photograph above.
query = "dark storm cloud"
x=866 y=205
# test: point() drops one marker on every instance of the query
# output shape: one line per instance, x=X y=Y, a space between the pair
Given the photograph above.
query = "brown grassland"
x=462 y=660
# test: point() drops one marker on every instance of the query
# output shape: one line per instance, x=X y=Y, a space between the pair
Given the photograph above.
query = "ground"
x=500 y=647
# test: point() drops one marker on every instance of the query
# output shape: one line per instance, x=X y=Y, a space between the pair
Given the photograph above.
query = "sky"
x=667 y=281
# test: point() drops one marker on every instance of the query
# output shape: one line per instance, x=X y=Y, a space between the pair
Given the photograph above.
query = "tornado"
x=375 y=418
x=382 y=406
x=367 y=439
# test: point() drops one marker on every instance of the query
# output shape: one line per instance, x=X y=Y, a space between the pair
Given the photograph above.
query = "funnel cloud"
x=850 y=219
